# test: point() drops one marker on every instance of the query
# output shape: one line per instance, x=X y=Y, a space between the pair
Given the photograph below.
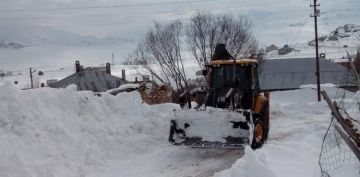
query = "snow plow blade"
x=231 y=143
x=210 y=130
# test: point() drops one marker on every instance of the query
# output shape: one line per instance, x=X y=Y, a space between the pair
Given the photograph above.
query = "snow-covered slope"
x=343 y=36
x=335 y=44
x=33 y=36
x=50 y=36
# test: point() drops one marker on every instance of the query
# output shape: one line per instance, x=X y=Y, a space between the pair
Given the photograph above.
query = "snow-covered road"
x=61 y=132
x=170 y=161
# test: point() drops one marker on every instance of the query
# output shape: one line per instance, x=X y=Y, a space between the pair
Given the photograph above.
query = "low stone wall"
x=156 y=94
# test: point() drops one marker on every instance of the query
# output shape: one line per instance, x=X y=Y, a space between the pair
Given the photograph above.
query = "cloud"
x=87 y=21
x=135 y=20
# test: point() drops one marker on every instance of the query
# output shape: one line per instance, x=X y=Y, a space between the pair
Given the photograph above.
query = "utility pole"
x=112 y=59
x=31 y=78
x=317 y=73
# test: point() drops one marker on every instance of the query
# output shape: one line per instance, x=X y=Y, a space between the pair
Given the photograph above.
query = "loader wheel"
x=258 y=135
x=261 y=130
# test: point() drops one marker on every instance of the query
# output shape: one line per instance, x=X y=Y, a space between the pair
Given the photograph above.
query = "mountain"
x=43 y=36
x=13 y=45
x=345 y=36
x=336 y=44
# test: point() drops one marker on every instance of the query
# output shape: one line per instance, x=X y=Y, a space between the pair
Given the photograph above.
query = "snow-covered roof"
x=286 y=74
x=90 y=79
x=123 y=88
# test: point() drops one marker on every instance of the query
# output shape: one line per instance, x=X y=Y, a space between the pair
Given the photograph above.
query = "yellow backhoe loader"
x=233 y=111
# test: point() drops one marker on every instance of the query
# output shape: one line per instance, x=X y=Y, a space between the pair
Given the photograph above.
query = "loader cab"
x=233 y=84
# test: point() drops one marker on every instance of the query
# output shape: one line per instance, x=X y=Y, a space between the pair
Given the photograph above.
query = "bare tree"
x=201 y=37
x=205 y=31
x=236 y=34
x=160 y=54
x=141 y=57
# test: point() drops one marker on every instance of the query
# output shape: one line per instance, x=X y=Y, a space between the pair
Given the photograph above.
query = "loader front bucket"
x=216 y=129
x=231 y=143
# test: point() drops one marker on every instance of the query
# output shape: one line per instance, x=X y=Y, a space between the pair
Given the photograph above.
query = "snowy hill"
x=344 y=36
x=46 y=47
x=46 y=36
x=336 y=44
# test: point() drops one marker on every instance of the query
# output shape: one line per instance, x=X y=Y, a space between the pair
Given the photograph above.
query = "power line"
x=94 y=16
x=306 y=21
x=82 y=25
x=233 y=6
x=110 y=15
x=106 y=7
x=99 y=24
x=129 y=5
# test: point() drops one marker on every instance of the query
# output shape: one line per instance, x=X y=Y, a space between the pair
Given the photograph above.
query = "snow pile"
x=212 y=124
x=352 y=108
x=347 y=172
x=298 y=124
x=50 y=132
x=61 y=132
x=248 y=166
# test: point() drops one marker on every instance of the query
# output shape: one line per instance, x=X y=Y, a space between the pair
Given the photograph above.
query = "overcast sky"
x=112 y=16
x=275 y=21
x=119 y=19
x=123 y=18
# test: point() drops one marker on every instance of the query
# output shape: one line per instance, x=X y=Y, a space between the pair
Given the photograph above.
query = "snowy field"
x=60 y=132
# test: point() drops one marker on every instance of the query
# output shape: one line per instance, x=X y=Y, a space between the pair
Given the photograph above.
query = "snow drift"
x=249 y=166
x=50 y=132
x=64 y=133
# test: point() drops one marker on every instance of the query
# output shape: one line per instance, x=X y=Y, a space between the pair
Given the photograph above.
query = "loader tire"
x=258 y=135
x=261 y=129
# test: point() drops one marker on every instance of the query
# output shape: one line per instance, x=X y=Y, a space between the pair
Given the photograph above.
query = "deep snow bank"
x=50 y=132
x=248 y=166
x=64 y=133
x=297 y=127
